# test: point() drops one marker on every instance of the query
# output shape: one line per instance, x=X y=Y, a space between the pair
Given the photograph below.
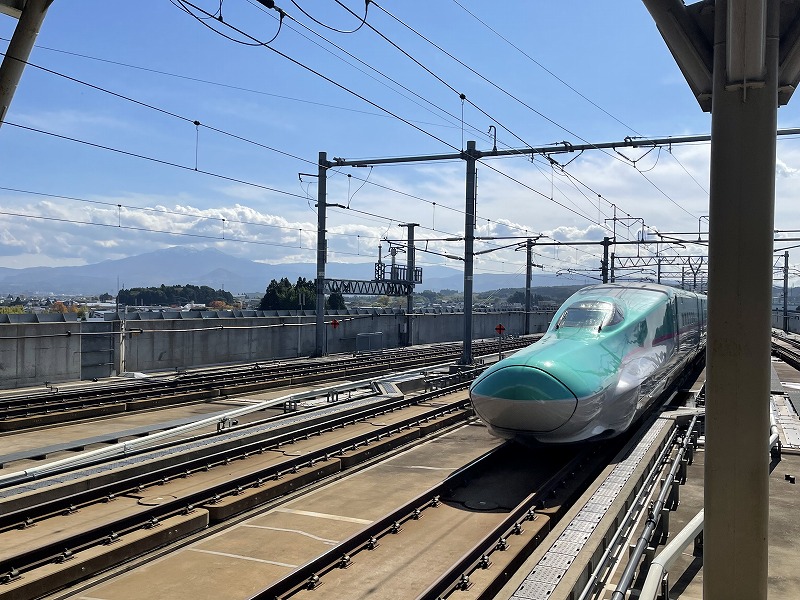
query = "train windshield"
x=590 y=313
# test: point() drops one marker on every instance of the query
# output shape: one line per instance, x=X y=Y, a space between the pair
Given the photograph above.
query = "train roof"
x=628 y=288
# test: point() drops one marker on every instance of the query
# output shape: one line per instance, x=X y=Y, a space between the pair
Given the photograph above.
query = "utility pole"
x=604 y=264
x=612 y=267
x=786 y=291
x=322 y=250
x=469 y=243
x=410 y=268
x=528 y=268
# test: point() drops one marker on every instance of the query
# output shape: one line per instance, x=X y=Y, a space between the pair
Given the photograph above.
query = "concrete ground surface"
x=686 y=575
x=240 y=561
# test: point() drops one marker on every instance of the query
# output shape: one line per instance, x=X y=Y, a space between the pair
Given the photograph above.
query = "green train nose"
x=518 y=397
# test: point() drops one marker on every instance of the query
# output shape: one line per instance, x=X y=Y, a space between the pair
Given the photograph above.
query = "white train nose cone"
x=522 y=398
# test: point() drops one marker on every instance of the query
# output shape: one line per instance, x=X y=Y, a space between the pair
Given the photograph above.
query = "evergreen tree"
x=335 y=302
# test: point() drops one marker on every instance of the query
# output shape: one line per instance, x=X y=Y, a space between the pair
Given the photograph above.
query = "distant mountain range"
x=181 y=266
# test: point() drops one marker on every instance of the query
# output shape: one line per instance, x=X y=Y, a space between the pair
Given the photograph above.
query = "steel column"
x=743 y=143
x=322 y=251
x=528 y=267
x=410 y=267
x=786 y=291
x=469 y=242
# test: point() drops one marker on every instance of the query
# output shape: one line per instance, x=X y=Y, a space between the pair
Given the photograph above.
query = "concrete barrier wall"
x=793 y=321
x=35 y=353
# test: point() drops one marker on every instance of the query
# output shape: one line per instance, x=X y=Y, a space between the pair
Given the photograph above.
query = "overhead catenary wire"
x=164 y=111
x=487 y=221
x=166 y=211
x=498 y=87
x=222 y=85
x=153 y=159
x=326 y=26
x=324 y=77
x=544 y=68
x=170 y=113
x=455 y=123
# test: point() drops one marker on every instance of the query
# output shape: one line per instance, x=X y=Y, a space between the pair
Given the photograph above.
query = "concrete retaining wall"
x=34 y=353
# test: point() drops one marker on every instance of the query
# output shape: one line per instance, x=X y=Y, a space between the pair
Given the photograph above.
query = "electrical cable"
x=454 y=124
x=180 y=5
x=176 y=115
x=541 y=66
x=219 y=84
x=172 y=212
x=326 y=78
x=498 y=87
x=160 y=110
x=363 y=20
x=478 y=74
x=155 y=160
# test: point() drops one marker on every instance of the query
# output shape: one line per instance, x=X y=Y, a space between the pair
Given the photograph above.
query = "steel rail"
x=222 y=381
x=211 y=495
x=232 y=444
x=308 y=575
x=478 y=556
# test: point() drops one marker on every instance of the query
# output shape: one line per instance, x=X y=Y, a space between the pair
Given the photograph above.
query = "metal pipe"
x=774 y=436
x=594 y=578
x=665 y=558
x=652 y=520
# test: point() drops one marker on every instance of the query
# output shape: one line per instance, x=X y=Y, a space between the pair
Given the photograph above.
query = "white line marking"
x=429 y=468
x=261 y=560
x=308 y=513
x=297 y=531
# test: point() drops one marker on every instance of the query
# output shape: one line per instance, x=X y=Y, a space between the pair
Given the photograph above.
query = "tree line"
x=282 y=295
x=170 y=295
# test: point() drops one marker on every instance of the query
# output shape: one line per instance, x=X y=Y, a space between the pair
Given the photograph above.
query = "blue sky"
x=541 y=73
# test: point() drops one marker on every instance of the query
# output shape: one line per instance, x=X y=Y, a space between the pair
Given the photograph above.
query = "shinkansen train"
x=609 y=352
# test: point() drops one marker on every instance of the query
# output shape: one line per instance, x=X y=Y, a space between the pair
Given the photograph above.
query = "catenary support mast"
x=322 y=250
x=469 y=256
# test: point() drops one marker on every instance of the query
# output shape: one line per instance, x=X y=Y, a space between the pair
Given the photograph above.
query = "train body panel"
x=609 y=350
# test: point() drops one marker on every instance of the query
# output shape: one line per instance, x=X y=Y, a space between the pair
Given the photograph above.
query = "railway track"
x=787 y=349
x=94 y=515
x=466 y=534
x=59 y=404
x=490 y=514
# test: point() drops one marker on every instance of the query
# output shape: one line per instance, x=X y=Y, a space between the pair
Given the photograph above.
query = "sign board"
x=500 y=329
x=334 y=323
